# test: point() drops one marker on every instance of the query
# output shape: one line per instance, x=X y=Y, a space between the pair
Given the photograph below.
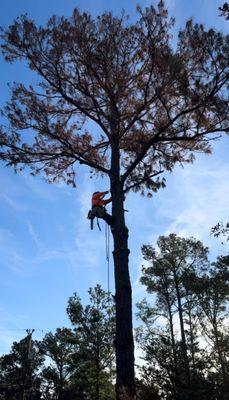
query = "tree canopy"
x=160 y=102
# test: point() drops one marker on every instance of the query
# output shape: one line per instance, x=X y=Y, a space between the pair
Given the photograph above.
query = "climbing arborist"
x=98 y=207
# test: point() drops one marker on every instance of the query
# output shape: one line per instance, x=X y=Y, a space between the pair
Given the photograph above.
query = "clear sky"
x=47 y=250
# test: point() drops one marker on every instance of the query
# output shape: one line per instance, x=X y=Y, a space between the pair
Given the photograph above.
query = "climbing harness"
x=99 y=212
x=91 y=215
x=98 y=209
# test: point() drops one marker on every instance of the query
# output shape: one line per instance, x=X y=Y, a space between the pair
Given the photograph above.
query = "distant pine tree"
x=19 y=371
x=189 y=309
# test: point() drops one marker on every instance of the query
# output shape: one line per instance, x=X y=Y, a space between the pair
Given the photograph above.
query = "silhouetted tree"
x=92 y=366
x=171 y=347
x=71 y=364
x=58 y=349
x=19 y=371
x=225 y=10
x=154 y=107
x=212 y=290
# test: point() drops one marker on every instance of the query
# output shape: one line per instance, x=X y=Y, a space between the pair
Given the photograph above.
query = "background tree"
x=212 y=290
x=58 y=349
x=171 y=347
x=154 y=107
x=92 y=366
x=146 y=390
x=19 y=371
x=70 y=364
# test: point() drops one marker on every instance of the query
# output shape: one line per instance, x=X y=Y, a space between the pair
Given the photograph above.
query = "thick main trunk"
x=123 y=299
x=124 y=342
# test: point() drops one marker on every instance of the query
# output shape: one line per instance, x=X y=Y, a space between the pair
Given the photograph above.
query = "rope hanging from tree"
x=107 y=240
x=107 y=237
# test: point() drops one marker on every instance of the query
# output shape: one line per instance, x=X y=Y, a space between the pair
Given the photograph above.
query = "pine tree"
x=92 y=365
x=19 y=371
x=212 y=290
x=57 y=349
x=178 y=365
x=154 y=107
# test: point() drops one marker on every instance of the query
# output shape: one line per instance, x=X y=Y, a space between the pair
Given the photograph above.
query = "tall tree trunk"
x=220 y=357
x=97 y=393
x=174 y=350
x=182 y=330
x=124 y=342
x=192 y=338
x=97 y=365
x=61 y=383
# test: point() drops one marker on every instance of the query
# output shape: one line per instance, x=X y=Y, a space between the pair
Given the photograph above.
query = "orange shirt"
x=97 y=199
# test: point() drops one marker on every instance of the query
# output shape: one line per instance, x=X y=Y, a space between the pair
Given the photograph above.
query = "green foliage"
x=183 y=335
x=19 y=371
x=59 y=350
x=70 y=364
x=94 y=328
x=155 y=106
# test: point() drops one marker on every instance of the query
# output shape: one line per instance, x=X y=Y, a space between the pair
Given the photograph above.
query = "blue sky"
x=47 y=249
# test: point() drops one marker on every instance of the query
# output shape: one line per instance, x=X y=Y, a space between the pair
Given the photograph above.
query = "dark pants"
x=100 y=212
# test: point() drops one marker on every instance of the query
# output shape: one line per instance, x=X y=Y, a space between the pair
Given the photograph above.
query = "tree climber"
x=98 y=207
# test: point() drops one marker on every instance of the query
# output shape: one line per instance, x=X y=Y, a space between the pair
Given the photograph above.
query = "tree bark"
x=61 y=382
x=192 y=339
x=124 y=342
x=220 y=357
x=97 y=385
x=175 y=384
x=182 y=330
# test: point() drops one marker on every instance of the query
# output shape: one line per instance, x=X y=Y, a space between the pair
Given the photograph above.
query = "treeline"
x=70 y=364
x=182 y=335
